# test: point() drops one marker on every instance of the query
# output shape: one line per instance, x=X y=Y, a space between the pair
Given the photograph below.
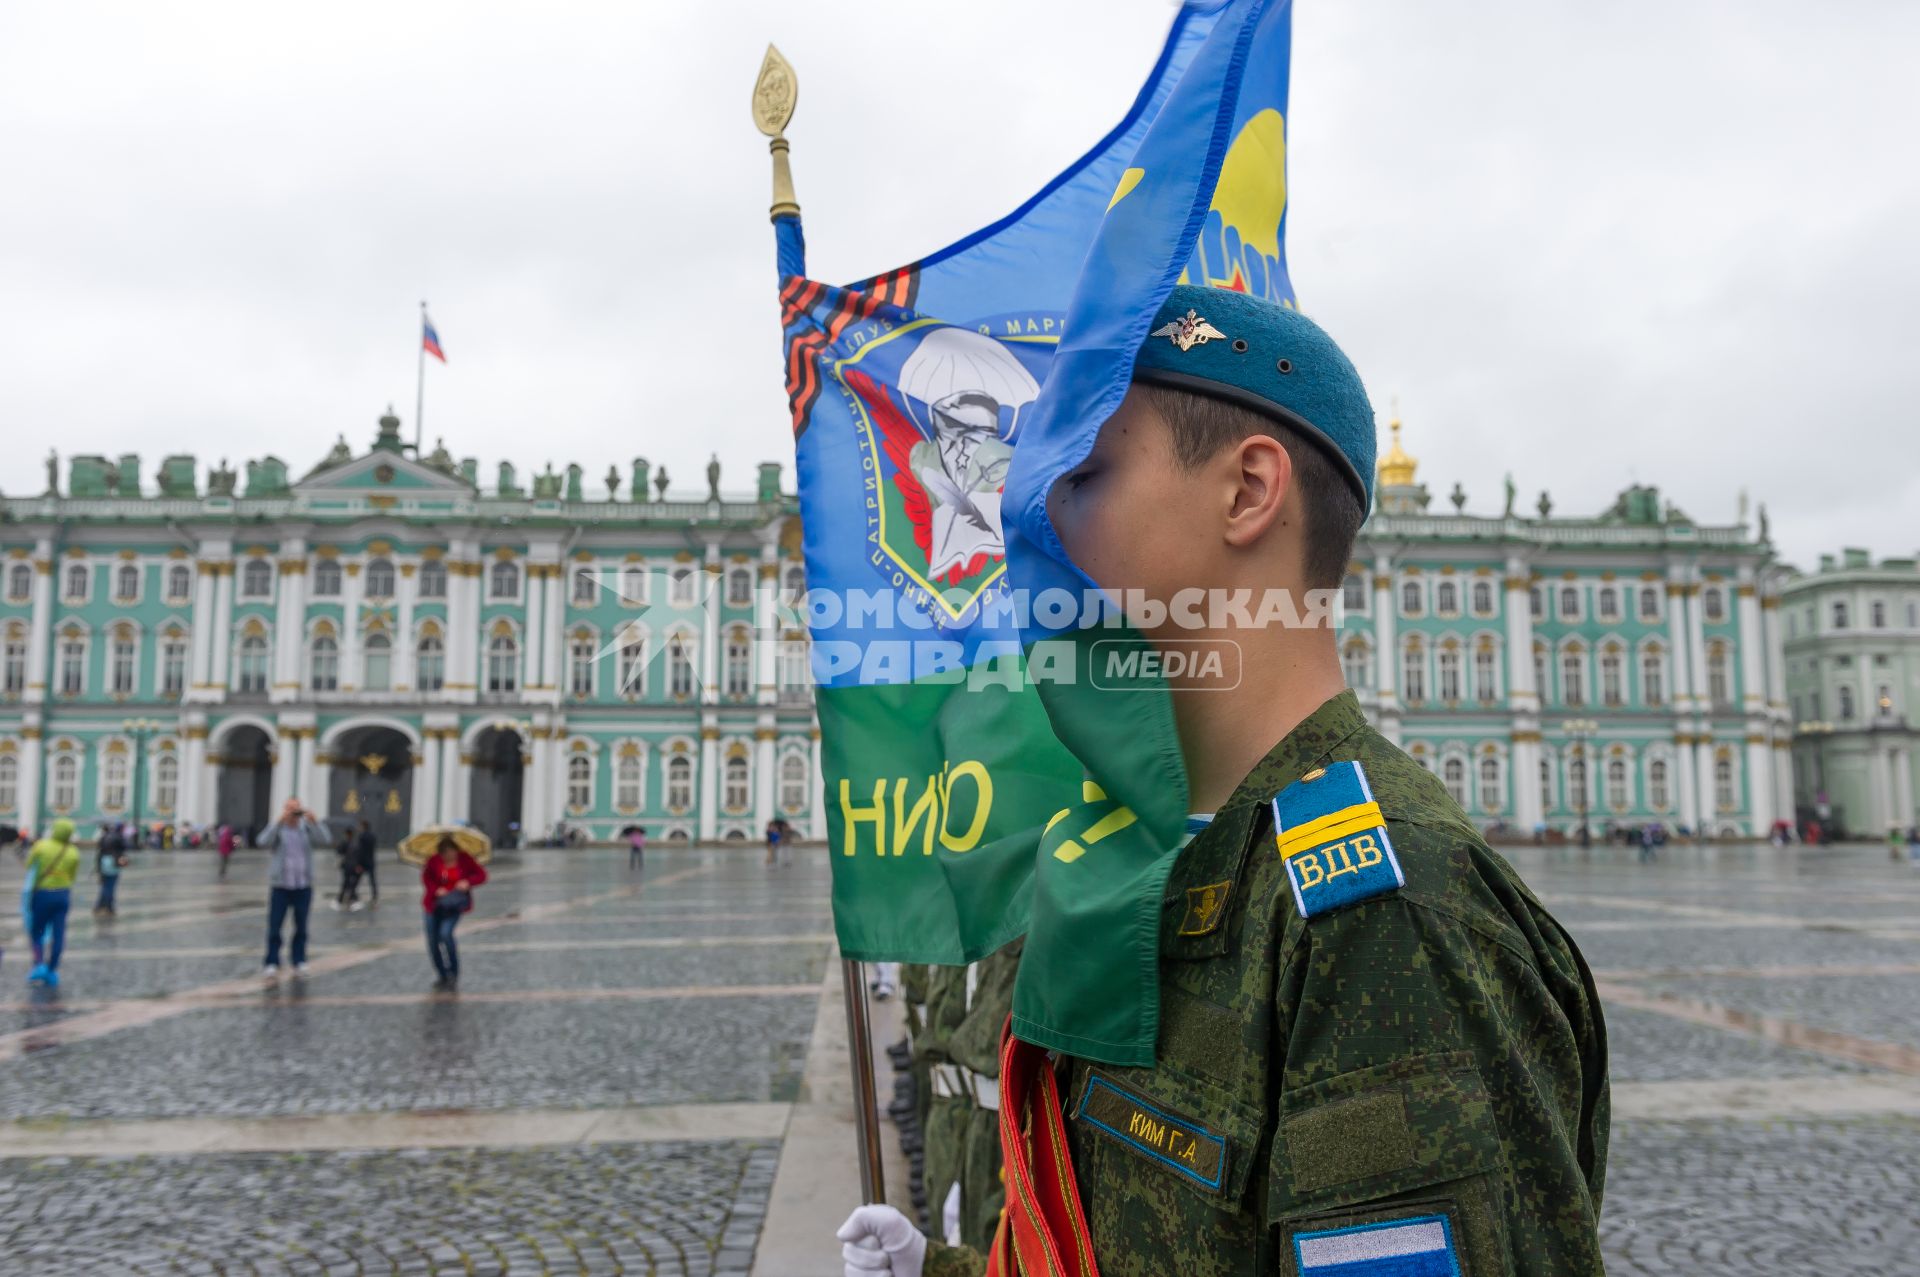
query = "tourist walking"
x=449 y=878
x=293 y=839
x=365 y=862
x=773 y=842
x=109 y=858
x=636 y=846
x=51 y=867
x=226 y=844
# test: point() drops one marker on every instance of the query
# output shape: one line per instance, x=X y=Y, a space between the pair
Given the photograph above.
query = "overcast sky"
x=1590 y=244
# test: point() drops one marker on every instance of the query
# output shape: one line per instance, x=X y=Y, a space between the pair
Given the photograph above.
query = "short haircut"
x=1202 y=426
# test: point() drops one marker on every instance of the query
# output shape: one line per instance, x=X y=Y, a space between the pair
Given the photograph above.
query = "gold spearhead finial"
x=774 y=95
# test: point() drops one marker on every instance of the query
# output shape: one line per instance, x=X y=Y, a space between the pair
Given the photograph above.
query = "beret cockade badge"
x=1188 y=332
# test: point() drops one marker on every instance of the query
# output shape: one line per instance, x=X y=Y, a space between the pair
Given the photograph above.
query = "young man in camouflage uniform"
x=1383 y=1073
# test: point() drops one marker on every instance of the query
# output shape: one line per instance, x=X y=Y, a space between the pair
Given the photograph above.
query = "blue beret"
x=1272 y=360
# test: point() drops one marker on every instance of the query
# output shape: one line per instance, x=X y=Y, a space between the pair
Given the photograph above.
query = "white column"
x=555 y=628
x=221 y=635
x=455 y=785
x=709 y=797
x=313 y=778
x=1879 y=791
x=290 y=620
x=1386 y=655
x=426 y=779
x=1681 y=657
x=1783 y=804
x=206 y=577
x=285 y=756
x=31 y=752
x=1753 y=646
x=535 y=632
x=534 y=799
x=407 y=586
x=1903 y=787
x=1697 y=655
x=1683 y=777
x=463 y=621
x=39 y=643
x=1709 y=792
x=818 y=820
x=193 y=765
x=1523 y=698
x=1759 y=780
x=763 y=776
x=352 y=590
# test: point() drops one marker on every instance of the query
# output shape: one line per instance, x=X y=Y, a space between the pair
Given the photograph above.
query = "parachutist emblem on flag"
x=1188 y=332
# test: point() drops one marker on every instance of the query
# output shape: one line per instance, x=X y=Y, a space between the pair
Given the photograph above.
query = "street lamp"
x=1580 y=731
x=141 y=730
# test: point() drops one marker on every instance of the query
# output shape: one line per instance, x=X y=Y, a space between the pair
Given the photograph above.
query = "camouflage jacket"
x=1433 y=1057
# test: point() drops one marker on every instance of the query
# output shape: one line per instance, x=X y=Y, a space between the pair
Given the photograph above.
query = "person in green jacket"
x=51 y=867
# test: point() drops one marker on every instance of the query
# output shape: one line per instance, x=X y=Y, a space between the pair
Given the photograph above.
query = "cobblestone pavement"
x=1764 y=1017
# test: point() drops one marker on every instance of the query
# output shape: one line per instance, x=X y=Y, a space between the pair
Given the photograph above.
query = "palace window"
x=79 y=583
x=1617 y=783
x=126 y=583
x=1883 y=700
x=1453 y=774
x=679 y=782
x=376 y=664
x=679 y=668
x=739 y=664
x=1576 y=780
x=1573 y=682
x=1569 y=603
x=739 y=587
x=124 y=657
x=73 y=665
x=1653 y=679
x=1541 y=684
x=1546 y=785
x=1719 y=676
x=503 y=580
x=629 y=773
x=251 y=675
x=1612 y=683
x=503 y=663
x=323 y=664
x=681 y=594
x=1490 y=784
x=433 y=579
x=793 y=783
x=179 y=584
x=9 y=783
x=13 y=670
x=1607 y=604
x=1877 y=614
x=113 y=781
x=166 y=782
x=633 y=584
x=1446 y=599
x=1649 y=603
x=1356 y=663
x=1483 y=598
x=586 y=586
x=633 y=664
x=326 y=578
x=1713 y=604
x=794 y=674
x=380 y=583
x=1537 y=603
x=1657 y=795
x=736 y=796
x=1846 y=703
x=1486 y=677
x=19 y=583
x=1839 y=614
x=579 y=782
x=796 y=582
x=1413 y=674
x=1353 y=593
x=1450 y=674
x=429 y=664
x=1724 y=797
x=1410 y=598
x=256 y=580
x=66 y=782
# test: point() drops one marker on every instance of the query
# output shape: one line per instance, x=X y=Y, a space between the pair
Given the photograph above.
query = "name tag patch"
x=1332 y=836
x=1156 y=1134
x=1418 y=1247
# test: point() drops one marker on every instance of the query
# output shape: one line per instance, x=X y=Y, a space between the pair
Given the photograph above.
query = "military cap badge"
x=1332 y=837
x=1187 y=331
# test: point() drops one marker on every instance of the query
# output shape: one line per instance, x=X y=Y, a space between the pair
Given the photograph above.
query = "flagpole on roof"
x=420 y=385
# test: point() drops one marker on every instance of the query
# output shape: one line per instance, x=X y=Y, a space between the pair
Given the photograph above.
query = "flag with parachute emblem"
x=912 y=393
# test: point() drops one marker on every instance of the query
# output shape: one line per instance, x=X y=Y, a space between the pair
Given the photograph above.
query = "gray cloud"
x=1587 y=244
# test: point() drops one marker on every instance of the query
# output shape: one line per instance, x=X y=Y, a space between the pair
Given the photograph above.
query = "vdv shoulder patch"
x=1421 y=1246
x=1332 y=836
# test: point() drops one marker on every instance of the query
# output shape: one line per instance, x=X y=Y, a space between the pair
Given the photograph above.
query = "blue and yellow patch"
x=1332 y=836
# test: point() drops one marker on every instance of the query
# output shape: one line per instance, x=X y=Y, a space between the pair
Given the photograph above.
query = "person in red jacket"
x=449 y=877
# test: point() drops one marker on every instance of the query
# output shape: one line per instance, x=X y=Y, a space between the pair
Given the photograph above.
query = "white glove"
x=879 y=1239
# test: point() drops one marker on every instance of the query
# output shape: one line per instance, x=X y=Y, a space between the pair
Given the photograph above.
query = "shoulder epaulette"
x=1332 y=837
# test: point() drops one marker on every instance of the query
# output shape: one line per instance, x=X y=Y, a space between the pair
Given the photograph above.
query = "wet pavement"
x=1763 y=1011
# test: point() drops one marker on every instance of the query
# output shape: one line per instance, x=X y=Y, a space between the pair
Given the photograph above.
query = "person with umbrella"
x=636 y=836
x=448 y=872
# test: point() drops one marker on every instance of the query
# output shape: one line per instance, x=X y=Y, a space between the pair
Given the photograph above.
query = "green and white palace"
x=393 y=639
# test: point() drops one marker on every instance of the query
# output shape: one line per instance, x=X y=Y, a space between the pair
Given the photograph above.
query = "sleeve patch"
x=1422 y=1246
x=1332 y=837
x=1206 y=906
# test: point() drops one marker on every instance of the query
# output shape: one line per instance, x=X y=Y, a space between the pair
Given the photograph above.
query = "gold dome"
x=1396 y=468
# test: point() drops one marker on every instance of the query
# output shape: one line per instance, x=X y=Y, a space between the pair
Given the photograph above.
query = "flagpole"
x=420 y=385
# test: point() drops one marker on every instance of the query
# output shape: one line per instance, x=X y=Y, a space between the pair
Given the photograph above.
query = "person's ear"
x=1262 y=478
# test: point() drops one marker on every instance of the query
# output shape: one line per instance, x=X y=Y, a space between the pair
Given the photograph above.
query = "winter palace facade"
x=393 y=639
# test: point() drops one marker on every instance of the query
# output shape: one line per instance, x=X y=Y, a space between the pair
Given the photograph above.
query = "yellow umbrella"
x=419 y=847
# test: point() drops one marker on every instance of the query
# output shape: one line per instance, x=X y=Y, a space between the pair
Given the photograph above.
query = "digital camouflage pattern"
x=976 y=1046
x=944 y=1120
x=1435 y=1050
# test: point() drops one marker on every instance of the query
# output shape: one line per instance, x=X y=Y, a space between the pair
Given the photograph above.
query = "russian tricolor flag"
x=429 y=339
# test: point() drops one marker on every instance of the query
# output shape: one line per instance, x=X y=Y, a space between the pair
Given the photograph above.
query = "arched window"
x=1576 y=779
x=1446 y=598
x=1657 y=795
x=9 y=783
x=1486 y=673
x=633 y=664
x=1713 y=604
x=1483 y=598
x=580 y=653
x=1649 y=603
x=1653 y=678
x=323 y=664
x=629 y=776
x=1356 y=662
x=503 y=580
x=1607 y=604
x=682 y=591
x=1546 y=785
x=252 y=672
x=679 y=667
x=579 y=782
x=73 y=663
x=114 y=770
x=19 y=582
x=1537 y=603
x=1449 y=674
x=429 y=664
x=796 y=582
x=1719 y=676
x=125 y=657
x=1410 y=598
x=126 y=583
x=376 y=663
x=380 y=583
x=1453 y=774
x=679 y=783
x=256 y=579
x=503 y=663
x=433 y=579
x=1612 y=677
x=736 y=796
x=1413 y=674
x=1573 y=682
x=1617 y=783
x=794 y=674
x=586 y=585
x=1490 y=794
x=326 y=578
x=166 y=782
x=79 y=581
x=1541 y=684
x=1353 y=593
x=1724 y=798
x=739 y=664
x=13 y=668
x=179 y=583
x=793 y=783
x=739 y=586
x=1569 y=603
x=633 y=584
x=66 y=782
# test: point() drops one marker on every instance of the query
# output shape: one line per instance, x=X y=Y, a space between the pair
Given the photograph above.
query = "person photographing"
x=449 y=877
